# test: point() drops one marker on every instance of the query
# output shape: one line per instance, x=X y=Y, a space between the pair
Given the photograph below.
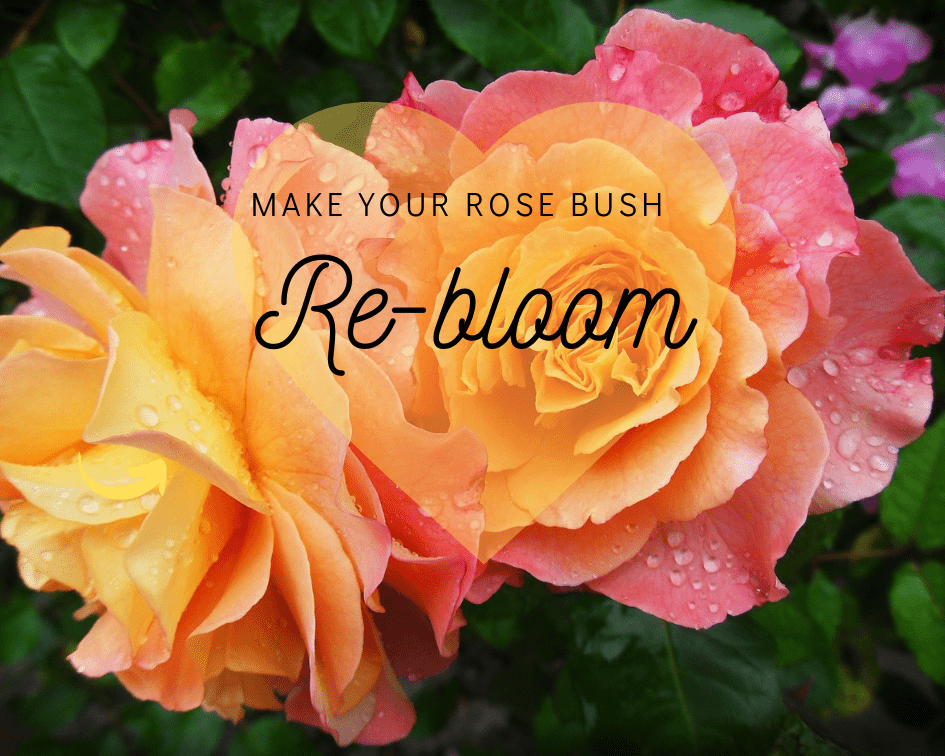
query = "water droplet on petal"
x=875 y=440
x=652 y=561
x=148 y=416
x=193 y=426
x=327 y=172
x=710 y=563
x=835 y=417
x=200 y=446
x=674 y=538
x=617 y=71
x=825 y=239
x=881 y=464
x=828 y=484
x=370 y=144
x=713 y=608
x=88 y=505
x=353 y=184
x=848 y=442
x=862 y=356
x=682 y=557
x=676 y=577
x=734 y=69
x=173 y=403
x=831 y=368
x=730 y=101
x=797 y=377
x=138 y=152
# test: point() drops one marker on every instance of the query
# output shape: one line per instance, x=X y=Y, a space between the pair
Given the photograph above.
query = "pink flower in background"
x=837 y=103
x=866 y=53
x=920 y=166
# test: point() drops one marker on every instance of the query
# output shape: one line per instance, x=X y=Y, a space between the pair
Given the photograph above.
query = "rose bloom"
x=669 y=480
x=280 y=568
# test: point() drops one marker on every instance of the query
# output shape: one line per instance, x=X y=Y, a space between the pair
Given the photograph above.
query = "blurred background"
x=852 y=662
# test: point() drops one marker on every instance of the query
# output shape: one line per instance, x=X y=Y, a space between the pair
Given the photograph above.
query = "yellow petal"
x=149 y=402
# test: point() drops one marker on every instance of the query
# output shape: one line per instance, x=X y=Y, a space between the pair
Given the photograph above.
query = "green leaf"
x=206 y=76
x=918 y=222
x=674 y=690
x=917 y=601
x=51 y=124
x=87 y=28
x=353 y=29
x=165 y=733
x=270 y=734
x=310 y=94
x=759 y=27
x=824 y=604
x=913 y=506
x=545 y=34
x=263 y=22
x=24 y=632
x=868 y=173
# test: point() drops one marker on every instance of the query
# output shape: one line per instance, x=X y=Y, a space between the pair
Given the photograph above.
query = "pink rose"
x=799 y=395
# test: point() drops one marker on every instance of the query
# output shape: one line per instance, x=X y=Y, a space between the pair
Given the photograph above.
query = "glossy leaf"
x=917 y=602
x=353 y=30
x=87 y=28
x=555 y=35
x=262 y=22
x=51 y=124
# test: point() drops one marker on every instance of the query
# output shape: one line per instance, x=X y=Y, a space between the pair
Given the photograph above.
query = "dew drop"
x=138 y=152
x=682 y=557
x=353 y=184
x=825 y=239
x=854 y=467
x=205 y=526
x=710 y=563
x=200 y=446
x=617 y=71
x=149 y=500
x=173 y=403
x=831 y=368
x=797 y=377
x=848 y=442
x=734 y=69
x=713 y=608
x=47 y=556
x=148 y=416
x=193 y=426
x=674 y=538
x=892 y=449
x=370 y=143
x=327 y=172
x=875 y=440
x=676 y=577
x=730 y=101
x=696 y=584
x=88 y=505
x=835 y=417
x=861 y=356
x=653 y=561
x=878 y=463
x=828 y=484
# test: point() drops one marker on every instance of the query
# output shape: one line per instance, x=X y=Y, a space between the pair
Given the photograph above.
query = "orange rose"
x=279 y=559
x=668 y=472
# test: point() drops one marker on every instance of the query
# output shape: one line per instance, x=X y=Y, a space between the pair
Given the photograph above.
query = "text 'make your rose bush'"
x=318 y=532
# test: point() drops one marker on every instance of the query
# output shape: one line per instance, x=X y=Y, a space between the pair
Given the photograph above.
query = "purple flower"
x=867 y=52
x=920 y=167
x=838 y=102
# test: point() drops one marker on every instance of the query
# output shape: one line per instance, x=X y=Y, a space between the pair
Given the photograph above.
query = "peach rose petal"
x=53 y=396
x=695 y=572
x=62 y=492
x=734 y=443
x=171 y=553
x=870 y=397
x=490 y=577
x=339 y=627
x=68 y=281
x=412 y=650
x=292 y=575
x=211 y=334
x=618 y=75
x=430 y=566
x=104 y=552
x=149 y=402
x=249 y=141
x=49 y=549
x=104 y=649
x=587 y=553
x=734 y=74
x=795 y=178
x=240 y=577
x=116 y=197
x=446 y=100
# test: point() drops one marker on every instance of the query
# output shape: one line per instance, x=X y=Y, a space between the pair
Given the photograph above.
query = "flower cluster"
x=318 y=532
